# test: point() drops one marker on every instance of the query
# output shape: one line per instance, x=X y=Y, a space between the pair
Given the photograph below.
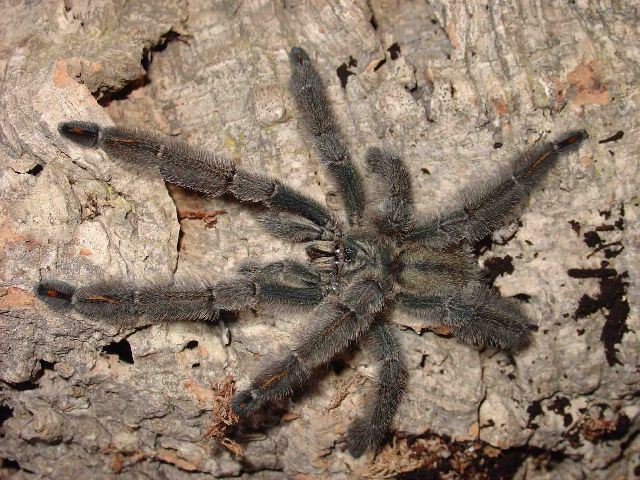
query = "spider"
x=381 y=256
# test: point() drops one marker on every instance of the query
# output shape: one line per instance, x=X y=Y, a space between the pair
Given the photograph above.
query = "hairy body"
x=378 y=257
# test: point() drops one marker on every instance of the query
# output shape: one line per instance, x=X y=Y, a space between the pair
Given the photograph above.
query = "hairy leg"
x=483 y=207
x=339 y=321
x=321 y=127
x=197 y=169
x=193 y=300
x=369 y=429
x=294 y=228
x=474 y=314
x=289 y=272
x=395 y=216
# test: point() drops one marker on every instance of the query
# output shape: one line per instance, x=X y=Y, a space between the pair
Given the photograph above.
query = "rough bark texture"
x=456 y=88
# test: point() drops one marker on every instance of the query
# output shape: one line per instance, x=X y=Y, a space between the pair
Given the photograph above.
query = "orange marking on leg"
x=272 y=379
x=538 y=161
x=571 y=140
x=101 y=298
x=441 y=329
x=123 y=140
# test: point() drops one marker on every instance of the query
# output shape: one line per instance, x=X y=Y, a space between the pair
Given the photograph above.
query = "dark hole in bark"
x=122 y=349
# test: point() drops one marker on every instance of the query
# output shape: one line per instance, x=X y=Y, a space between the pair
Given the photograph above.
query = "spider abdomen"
x=424 y=269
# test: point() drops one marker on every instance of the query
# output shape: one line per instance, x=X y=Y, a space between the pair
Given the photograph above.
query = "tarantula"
x=379 y=257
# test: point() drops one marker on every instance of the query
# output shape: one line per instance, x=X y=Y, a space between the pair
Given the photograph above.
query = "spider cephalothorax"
x=378 y=257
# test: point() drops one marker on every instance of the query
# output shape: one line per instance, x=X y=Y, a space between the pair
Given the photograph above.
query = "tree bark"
x=456 y=89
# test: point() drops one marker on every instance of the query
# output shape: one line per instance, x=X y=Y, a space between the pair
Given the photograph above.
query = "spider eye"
x=349 y=254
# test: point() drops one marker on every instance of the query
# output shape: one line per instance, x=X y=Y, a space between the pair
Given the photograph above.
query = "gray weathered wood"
x=456 y=88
